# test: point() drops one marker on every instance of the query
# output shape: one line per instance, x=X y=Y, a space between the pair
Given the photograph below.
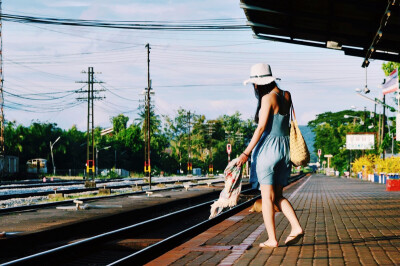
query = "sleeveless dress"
x=270 y=160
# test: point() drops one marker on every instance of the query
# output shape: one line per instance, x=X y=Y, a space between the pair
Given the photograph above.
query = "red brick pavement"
x=346 y=222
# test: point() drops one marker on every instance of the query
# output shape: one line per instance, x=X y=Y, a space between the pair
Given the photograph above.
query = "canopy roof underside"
x=364 y=28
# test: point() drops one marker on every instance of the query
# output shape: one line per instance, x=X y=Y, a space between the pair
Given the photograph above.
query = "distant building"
x=108 y=131
x=10 y=164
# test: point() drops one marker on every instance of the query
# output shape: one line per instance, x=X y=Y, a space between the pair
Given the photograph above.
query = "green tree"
x=176 y=129
x=119 y=122
x=389 y=67
x=155 y=122
x=330 y=134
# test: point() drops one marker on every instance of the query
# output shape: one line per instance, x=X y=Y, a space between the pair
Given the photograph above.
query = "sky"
x=200 y=71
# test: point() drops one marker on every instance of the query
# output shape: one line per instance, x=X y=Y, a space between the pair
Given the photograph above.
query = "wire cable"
x=199 y=25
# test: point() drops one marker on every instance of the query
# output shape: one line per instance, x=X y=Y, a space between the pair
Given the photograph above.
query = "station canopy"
x=365 y=28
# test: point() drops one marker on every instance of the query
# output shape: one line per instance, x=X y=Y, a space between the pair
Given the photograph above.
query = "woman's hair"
x=260 y=92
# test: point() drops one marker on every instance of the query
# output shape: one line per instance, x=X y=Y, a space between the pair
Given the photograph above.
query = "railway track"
x=81 y=190
x=140 y=242
x=60 y=183
x=66 y=202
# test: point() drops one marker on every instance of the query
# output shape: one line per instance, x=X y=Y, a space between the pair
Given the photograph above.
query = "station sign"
x=363 y=141
x=228 y=148
x=392 y=83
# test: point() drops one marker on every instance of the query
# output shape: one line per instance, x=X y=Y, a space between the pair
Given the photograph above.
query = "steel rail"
x=79 y=190
x=65 y=202
x=61 y=183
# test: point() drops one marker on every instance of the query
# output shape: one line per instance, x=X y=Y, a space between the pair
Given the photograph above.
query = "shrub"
x=367 y=161
x=373 y=164
x=389 y=165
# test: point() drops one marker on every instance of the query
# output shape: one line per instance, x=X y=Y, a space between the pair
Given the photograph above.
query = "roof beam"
x=377 y=55
x=347 y=51
x=325 y=36
x=293 y=41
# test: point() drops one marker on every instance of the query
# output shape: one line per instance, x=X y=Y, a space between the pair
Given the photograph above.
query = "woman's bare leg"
x=288 y=211
x=268 y=197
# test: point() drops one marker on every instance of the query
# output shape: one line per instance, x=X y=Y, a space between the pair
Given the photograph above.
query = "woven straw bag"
x=299 y=154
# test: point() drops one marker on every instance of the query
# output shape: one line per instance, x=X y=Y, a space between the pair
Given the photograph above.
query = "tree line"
x=124 y=147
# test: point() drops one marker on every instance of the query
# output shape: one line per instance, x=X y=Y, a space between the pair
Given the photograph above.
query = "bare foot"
x=269 y=243
x=294 y=237
x=297 y=231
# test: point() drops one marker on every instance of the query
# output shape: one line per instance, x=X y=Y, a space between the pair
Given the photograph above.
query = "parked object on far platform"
x=393 y=185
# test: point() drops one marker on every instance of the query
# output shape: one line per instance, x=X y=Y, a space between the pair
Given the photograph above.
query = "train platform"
x=346 y=222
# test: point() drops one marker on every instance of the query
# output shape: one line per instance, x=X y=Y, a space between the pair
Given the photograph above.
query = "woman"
x=270 y=162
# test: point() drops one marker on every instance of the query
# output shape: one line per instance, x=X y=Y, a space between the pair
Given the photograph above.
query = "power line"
x=41 y=99
x=37 y=70
x=201 y=25
x=47 y=93
x=119 y=96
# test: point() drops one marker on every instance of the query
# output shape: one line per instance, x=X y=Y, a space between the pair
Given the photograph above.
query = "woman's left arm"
x=264 y=113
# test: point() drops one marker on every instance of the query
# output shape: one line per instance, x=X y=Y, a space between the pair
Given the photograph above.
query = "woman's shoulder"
x=267 y=98
x=287 y=95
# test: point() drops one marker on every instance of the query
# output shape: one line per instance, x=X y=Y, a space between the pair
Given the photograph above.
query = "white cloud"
x=61 y=4
x=305 y=117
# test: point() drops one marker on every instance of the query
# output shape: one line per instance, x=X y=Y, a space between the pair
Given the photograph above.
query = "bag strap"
x=293 y=114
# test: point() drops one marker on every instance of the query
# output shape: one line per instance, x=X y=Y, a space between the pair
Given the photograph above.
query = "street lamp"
x=51 y=151
x=97 y=157
x=376 y=101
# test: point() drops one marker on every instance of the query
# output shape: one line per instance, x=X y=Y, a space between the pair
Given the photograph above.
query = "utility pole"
x=148 y=113
x=2 y=147
x=189 y=166
x=383 y=125
x=90 y=144
x=210 y=132
x=365 y=119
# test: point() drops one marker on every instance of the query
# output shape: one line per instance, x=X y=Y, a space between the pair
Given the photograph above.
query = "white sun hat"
x=260 y=74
